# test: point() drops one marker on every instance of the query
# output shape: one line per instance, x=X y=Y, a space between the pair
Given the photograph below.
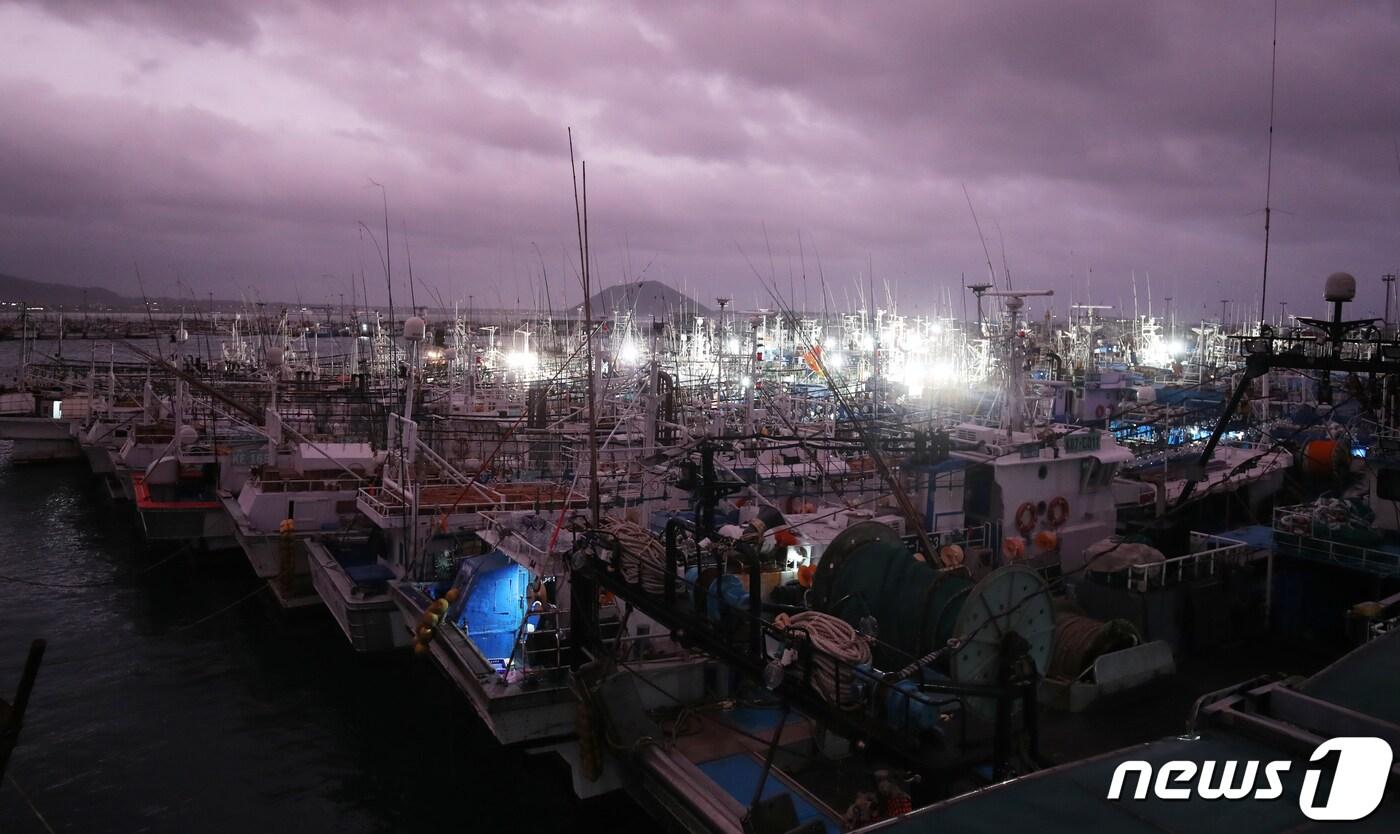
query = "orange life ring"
x=1025 y=518
x=1100 y=412
x=1058 y=511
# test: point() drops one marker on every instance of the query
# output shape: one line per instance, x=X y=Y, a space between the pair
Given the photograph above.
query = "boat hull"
x=544 y=709
x=40 y=439
x=204 y=522
x=372 y=623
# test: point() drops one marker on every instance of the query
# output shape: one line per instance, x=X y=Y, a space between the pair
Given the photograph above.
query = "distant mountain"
x=646 y=300
x=14 y=290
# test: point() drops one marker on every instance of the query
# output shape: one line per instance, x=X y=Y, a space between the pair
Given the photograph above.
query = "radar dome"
x=1341 y=286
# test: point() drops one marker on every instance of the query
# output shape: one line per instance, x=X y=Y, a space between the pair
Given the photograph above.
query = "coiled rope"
x=1080 y=640
x=839 y=648
x=641 y=558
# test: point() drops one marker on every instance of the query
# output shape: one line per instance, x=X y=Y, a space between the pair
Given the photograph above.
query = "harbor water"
x=175 y=698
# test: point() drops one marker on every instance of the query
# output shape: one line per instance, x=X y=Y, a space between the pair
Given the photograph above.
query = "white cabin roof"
x=994 y=446
x=307 y=458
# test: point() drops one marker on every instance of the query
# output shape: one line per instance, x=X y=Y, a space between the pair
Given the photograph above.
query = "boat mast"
x=1013 y=413
x=581 y=221
x=1269 y=167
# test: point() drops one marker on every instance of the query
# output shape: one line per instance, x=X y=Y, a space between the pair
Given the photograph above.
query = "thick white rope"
x=839 y=649
x=643 y=557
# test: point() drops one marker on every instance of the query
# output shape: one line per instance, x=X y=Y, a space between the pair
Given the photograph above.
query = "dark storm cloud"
x=232 y=144
x=230 y=21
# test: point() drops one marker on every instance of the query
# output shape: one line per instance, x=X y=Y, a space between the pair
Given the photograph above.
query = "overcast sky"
x=229 y=146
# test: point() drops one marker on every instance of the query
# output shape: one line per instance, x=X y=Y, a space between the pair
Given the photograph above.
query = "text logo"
x=1345 y=779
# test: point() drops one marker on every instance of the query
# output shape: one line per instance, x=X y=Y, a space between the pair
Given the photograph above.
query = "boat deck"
x=1359 y=689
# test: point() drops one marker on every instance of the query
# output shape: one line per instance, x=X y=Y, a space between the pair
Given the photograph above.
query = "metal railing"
x=979 y=535
x=1380 y=628
x=306 y=485
x=1294 y=534
x=1209 y=555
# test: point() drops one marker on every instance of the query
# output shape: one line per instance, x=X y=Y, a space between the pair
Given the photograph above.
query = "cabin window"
x=1388 y=484
x=1069 y=402
x=1096 y=475
x=1107 y=473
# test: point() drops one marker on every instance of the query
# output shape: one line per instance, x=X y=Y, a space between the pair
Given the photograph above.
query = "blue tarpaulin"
x=492 y=604
x=738 y=775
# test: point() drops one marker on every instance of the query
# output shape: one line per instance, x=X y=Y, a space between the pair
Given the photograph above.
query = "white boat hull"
x=371 y=623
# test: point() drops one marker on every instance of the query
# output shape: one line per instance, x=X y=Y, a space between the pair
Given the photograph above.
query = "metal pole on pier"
x=12 y=715
x=1389 y=279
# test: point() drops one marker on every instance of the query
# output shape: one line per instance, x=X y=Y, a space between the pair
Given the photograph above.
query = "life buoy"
x=1025 y=518
x=1058 y=511
x=1100 y=412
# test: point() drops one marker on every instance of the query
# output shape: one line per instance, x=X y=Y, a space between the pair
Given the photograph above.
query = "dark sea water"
x=175 y=698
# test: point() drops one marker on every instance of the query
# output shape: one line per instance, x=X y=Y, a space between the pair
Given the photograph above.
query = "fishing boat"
x=307 y=492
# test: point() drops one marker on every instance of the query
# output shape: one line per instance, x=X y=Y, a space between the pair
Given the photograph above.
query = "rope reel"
x=866 y=572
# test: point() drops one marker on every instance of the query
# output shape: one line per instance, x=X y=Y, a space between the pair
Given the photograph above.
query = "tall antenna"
x=1269 y=165
x=388 y=254
x=991 y=271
